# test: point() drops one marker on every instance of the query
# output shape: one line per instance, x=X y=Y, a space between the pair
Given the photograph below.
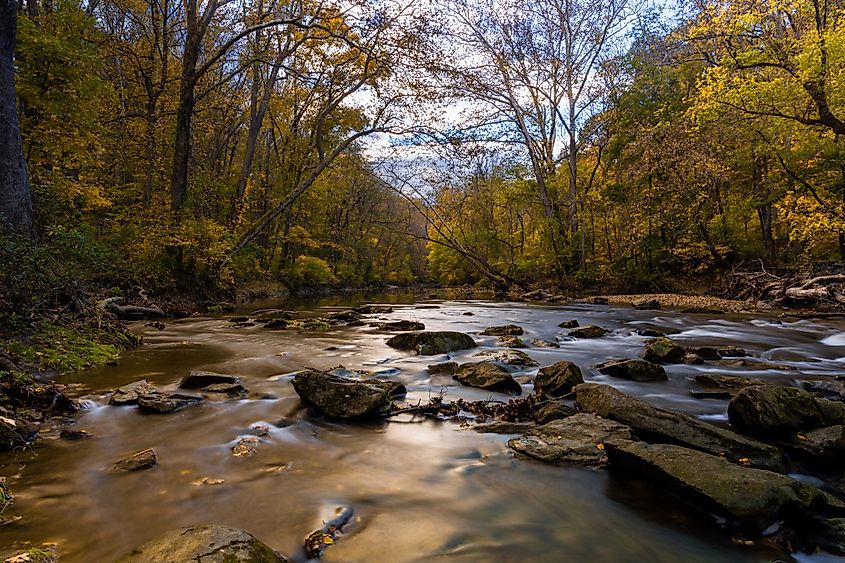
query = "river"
x=421 y=491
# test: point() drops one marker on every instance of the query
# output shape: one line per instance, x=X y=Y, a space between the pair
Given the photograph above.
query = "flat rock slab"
x=401 y=326
x=203 y=544
x=201 y=379
x=753 y=498
x=341 y=397
x=130 y=393
x=432 y=343
x=502 y=427
x=489 y=376
x=166 y=403
x=577 y=439
x=505 y=330
x=634 y=370
x=590 y=331
x=664 y=426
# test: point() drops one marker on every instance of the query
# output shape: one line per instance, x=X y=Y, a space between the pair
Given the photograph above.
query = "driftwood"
x=787 y=288
x=130 y=312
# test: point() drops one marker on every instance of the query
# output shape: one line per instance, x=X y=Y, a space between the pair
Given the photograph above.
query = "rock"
x=341 y=397
x=537 y=295
x=221 y=307
x=15 y=433
x=489 y=376
x=756 y=364
x=664 y=350
x=660 y=425
x=833 y=389
x=704 y=352
x=693 y=359
x=649 y=304
x=502 y=427
x=446 y=368
x=144 y=459
x=511 y=342
x=766 y=410
x=732 y=352
x=590 y=331
x=74 y=435
x=201 y=379
x=227 y=388
x=650 y=332
x=580 y=439
x=166 y=403
x=516 y=358
x=634 y=370
x=728 y=382
x=205 y=544
x=753 y=498
x=269 y=315
x=702 y=311
x=824 y=446
x=395 y=389
x=506 y=330
x=543 y=343
x=401 y=326
x=558 y=379
x=238 y=320
x=344 y=317
x=372 y=310
x=468 y=314
x=432 y=343
x=827 y=534
x=129 y=394
x=569 y=324
x=246 y=446
x=276 y=324
x=552 y=411
x=600 y=301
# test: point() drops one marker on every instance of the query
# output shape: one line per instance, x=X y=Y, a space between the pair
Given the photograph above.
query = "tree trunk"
x=184 y=115
x=15 y=199
x=764 y=206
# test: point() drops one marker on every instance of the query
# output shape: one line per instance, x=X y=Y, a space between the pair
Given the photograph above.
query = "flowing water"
x=421 y=491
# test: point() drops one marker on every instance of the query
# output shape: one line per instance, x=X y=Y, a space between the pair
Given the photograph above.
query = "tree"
x=15 y=199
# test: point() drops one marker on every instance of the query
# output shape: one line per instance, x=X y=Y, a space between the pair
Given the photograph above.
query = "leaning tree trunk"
x=15 y=199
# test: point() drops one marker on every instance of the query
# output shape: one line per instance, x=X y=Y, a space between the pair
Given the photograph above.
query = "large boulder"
x=340 y=397
x=664 y=350
x=634 y=370
x=203 y=544
x=506 y=330
x=589 y=331
x=664 y=426
x=766 y=410
x=752 y=498
x=558 y=379
x=130 y=393
x=576 y=439
x=489 y=376
x=432 y=343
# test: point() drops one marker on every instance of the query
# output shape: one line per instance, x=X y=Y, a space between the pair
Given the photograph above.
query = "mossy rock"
x=205 y=544
x=432 y=343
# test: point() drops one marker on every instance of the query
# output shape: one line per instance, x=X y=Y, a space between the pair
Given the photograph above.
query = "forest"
x=197 y=147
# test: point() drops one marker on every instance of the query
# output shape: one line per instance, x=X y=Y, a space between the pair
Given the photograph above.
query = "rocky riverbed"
x=464 y=430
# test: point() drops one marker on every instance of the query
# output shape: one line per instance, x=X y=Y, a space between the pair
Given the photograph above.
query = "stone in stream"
x=394 y=388
x=343 y=317
x=276 y=324
x=138 y=461
x=166 y=403
x=660 y=425
x=833 y=390
x=693 y=359
x=15 y=432
x=589 y=331
x=705 y=352
x=268 y=315
x=489 y=376
x=558 y=379
x=648 y=304
x=756 y=364
x=634 y=370
x=206 y=544
x=511 y=342
x=446 y=368
x=572 y=323
x=129 y=393
x=664 y=350
x=506 y=330
x=823 y=446
x=201 y=379
x=372 y=309
x=401 y=326
x=515 y=358
x=650 y=332
x=238 y=320
x=502 y=427
x=341 y=397
x=754 y=499
x=732 y=352
x=543 y=343
x=552 y=411
x=767 y=410
x=432 y=343
x=600 y=301
x=580 y=439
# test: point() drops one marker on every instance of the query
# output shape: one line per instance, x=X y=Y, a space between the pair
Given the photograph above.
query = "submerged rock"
x=130 y=393
x=203 y=544
x=446 y=368
x=664 y=350
x=432 y=343
x=505 y=330
x=660 y=425
x=516 y=358
x=543 y=343
x=489 y=376
x=634 y=370
x=580 y=439
x=558 y=379
x=144 y=459
x=755 y=499
x=341 y=397
x=166 y=403
x=589 y=331
x=732 y=352
x=766 y=410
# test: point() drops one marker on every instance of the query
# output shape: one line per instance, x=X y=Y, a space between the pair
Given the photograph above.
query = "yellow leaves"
x=744 y=461
x=600 y=447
